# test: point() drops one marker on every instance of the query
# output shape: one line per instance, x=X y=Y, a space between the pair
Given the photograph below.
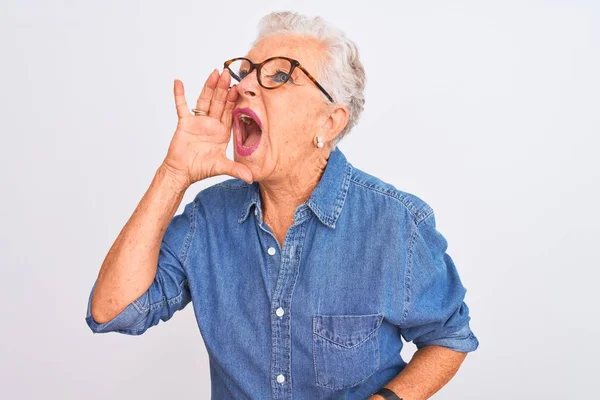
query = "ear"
x=335 y=122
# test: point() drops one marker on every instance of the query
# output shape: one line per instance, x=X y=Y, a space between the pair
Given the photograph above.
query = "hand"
x=197 y=150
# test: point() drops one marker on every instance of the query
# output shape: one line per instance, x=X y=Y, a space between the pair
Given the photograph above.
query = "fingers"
x=180 y=103
x=232 y=97
x=235 y=169
x=217 y=103
x=203 y=102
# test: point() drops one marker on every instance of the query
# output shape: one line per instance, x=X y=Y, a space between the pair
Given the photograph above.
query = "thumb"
x=235 y=169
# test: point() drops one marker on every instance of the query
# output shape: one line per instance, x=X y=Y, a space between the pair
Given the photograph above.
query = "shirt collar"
x=327 y=198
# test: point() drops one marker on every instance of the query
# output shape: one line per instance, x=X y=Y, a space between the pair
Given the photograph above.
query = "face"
x=286 y=119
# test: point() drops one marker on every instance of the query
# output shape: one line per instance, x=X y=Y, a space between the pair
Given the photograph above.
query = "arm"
x=130 y=265
x=142 y=279
x=435 y=316
x=430 y=368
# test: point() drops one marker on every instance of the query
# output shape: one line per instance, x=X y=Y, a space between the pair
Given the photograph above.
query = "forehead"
x=307 y=50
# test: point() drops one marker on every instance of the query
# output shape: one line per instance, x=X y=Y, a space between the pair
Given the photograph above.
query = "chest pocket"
x=345 y=349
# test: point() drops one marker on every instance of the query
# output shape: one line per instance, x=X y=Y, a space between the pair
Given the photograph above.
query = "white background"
x=488 y=110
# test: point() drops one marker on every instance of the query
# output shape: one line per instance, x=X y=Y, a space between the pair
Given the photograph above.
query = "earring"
x=319 y=142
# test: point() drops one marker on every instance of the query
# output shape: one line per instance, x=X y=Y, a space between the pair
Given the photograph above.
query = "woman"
x=304 y=271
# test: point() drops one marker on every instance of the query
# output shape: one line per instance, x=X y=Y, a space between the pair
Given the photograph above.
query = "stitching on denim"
x=339 y=387
x=377 y=326
x=374 y=331
x=341 y=198
x=348 y=315
x=138 y=306
x=130 y=331
x=377 y=350
x=314 y=342
x=238 y=184
x=164 y=301
x=429 y=214
x=407 y=278
x=418 y=214
x=330 y=220
x=321 y=215
x=246 y=209
x=294 y=262
x=189 y=235
x=172 y=301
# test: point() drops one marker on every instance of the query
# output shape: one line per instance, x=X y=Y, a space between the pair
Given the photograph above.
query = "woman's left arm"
x=435 y=317
x=430 y=368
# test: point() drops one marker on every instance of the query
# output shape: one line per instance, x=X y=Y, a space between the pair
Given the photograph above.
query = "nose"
x=248 y=86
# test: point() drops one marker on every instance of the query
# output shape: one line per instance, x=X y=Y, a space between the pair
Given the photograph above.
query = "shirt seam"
x=182 y=258
x=409 y=266
x=189 y=235
x=417 y=214
x=408 y=275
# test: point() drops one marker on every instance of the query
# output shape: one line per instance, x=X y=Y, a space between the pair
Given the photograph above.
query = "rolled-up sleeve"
x=434 y=309
x=169 y=291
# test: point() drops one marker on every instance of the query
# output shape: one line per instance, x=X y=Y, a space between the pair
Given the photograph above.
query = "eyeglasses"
x=271 y=73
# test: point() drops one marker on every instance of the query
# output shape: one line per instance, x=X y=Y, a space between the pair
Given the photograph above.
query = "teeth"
x=245 y=119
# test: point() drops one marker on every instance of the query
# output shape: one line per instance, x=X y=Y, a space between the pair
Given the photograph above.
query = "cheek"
x=290 y=119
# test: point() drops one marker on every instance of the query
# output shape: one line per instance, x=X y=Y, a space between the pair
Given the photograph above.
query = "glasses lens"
x=275 y=72
x=239 y=69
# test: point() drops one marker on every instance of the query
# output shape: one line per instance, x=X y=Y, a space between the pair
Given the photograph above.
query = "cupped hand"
x=197 y=150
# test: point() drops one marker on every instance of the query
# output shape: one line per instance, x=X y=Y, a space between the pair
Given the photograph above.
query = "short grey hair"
x=341 y=74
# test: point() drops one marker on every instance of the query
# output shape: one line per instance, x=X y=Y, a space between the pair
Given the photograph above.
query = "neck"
x=281 y=197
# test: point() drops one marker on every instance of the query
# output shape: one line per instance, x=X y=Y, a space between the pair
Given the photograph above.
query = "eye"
x=280 y=76
x=242 y=73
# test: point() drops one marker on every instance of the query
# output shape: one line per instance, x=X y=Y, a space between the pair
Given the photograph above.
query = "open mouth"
x=249 y=127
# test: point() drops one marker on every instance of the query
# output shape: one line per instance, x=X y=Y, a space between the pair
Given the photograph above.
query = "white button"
x=292 y=251
x=280 y=378
x=271 y=251
x=279 y=312
x=256 y=211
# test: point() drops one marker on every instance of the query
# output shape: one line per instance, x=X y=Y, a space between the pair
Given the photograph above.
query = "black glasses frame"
x=295 y=64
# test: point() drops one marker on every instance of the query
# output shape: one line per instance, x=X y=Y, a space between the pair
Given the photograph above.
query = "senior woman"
x=304 y=271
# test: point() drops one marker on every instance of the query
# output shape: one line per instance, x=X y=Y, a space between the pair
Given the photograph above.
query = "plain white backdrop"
x=488 y=110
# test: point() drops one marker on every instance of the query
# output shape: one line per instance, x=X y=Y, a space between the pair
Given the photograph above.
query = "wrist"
x=176 y=181
x=385 y=393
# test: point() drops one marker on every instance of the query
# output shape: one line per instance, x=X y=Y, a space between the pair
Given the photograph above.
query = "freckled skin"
x=287 y=164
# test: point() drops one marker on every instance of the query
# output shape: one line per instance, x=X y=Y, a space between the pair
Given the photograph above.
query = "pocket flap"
x=346 y=330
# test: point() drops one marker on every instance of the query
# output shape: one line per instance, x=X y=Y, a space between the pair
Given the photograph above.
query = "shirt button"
x=271 y=251
x=279 y=312
x=256 y=211
x=280 y=378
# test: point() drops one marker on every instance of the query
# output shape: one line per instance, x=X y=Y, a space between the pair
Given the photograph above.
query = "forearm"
x=430 y=368
x=130 y=265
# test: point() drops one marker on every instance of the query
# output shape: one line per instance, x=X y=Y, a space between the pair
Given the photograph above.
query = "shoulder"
x=225 y=194
x=373 y=186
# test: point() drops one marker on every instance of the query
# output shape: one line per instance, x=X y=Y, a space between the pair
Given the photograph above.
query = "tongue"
x=254 y=133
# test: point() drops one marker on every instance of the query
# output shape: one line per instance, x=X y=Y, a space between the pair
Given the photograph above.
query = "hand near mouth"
x=197 y=150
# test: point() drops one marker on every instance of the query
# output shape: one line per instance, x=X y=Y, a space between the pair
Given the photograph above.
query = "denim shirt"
x=321 y=317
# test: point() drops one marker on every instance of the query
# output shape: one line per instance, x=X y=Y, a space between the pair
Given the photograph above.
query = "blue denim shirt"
x=321 y=317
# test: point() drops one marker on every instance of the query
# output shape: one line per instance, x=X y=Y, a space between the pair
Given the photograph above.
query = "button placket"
x=281 y=299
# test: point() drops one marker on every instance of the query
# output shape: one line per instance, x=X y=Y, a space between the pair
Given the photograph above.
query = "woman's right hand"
x=197 y=150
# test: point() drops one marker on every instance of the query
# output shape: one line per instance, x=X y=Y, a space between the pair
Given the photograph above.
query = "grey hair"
x=341 y=74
